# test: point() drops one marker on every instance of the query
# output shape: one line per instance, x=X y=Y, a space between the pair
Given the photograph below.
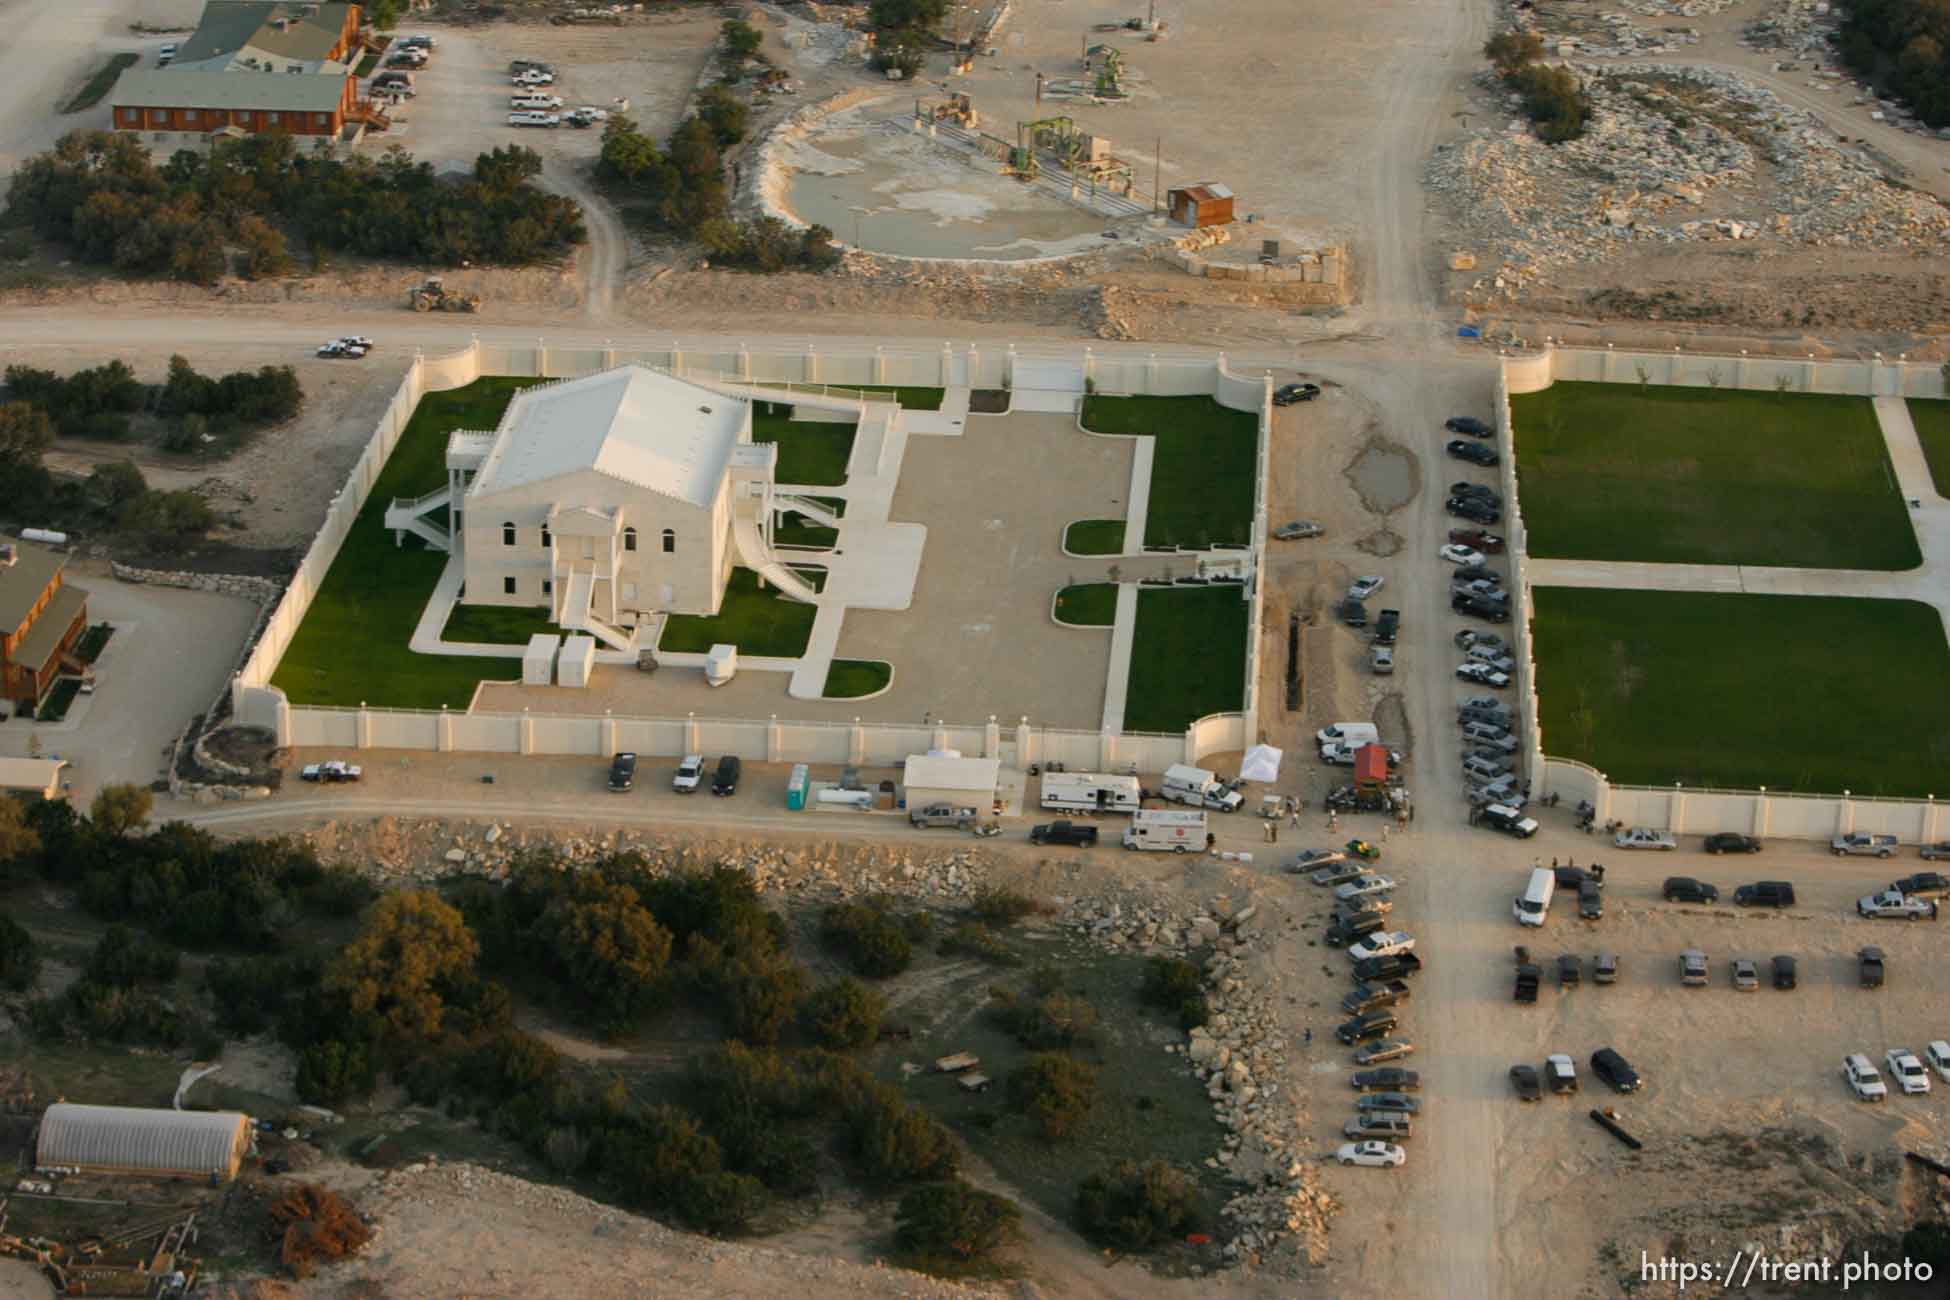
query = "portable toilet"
x=795 y=788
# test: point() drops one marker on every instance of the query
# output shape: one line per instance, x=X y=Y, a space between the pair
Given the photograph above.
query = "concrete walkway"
x=1117 y=679
x=1928 y=583
x=948 y=422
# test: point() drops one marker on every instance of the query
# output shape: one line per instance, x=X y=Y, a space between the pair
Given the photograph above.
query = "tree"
x=334 y=1071
x=904 y=15
x=20 y=957
x=1056 y=1091
x=945 y=1227
x=1512 y=50
x=119 y=809
x=724 y=113
x=123 y=957
x=761 y=993
x=25 y=432
x=845 y=1013
x=384 y=14
x=18 y=836
x=1137 y=1207
x=412 y=950
x=741 y=39
x=869 y=936
x=167 y=517
x=893 y=1142
x=610 y=947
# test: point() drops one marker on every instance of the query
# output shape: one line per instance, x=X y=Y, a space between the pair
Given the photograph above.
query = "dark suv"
x=1684 y=889
x=1475 y=511
x=1615 y=1070
x=726 y=780
x=1495 y=611
x=1765 y=893
x=1728 y=842
x=1387 y=626
x=622 y=771
x=1374 y=1024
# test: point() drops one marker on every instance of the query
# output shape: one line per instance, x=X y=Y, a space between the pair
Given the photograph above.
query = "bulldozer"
x=433 y=296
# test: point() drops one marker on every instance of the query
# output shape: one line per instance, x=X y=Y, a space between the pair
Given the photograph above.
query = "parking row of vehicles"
x=687 y=778
x=1910 y=1073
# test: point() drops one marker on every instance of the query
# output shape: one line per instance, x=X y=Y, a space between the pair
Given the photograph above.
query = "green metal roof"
x=23 y=581
x=44 y=638
x=309 y=32
x=275 y=92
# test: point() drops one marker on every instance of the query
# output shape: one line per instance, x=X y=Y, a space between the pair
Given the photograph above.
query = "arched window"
x=507 y=534
x=670 y=541
x=545 y=538
x=629 y=539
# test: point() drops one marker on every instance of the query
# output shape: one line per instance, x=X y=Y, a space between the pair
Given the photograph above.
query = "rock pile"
x=1673 y=154
x=1801 y=27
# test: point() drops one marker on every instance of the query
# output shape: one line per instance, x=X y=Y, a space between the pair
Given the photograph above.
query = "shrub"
x=1055 y=1091
x=250 y=993
x=977 y=940
x=741 y=41
x=650 y=1161
x=20 y=956
x=721 y=1202
x=760 y=997
x=949 y=1227
x=845 y=1014
x=1057 y=1020
x=1137 y=1207
x=893 y=1142
x=869 y=936
x=123 y=958
x=1553 y=100
x=336 y=1071
x=319 y=1228
x=724 y=113
x=1512 y=50
x=1175 y=984
x=566 y=1151
x=1001 y=906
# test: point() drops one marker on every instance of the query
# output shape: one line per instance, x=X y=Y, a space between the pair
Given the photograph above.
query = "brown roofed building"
x=41 y=618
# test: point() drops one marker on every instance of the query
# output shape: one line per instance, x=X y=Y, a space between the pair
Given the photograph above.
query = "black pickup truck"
x=1372 y=997
x=1070 y=833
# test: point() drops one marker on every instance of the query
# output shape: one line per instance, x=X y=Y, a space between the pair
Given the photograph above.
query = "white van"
x=1199 y=788
x=1352 y=734
x=1090 y=792
x=1158 y=828
x=1534 y=904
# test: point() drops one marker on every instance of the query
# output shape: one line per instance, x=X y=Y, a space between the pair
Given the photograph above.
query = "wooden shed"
x=1206 y=204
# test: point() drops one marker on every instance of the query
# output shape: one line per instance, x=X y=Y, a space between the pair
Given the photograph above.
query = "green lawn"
x=59 y=698
x=912 y=399
x=101 y=83
x=498 y=624
x=1088 y=604
x=1188 y=657
x=95 y=640
x=851 y=678
x=757 y=622
x=1708 y=476
x=1201 y=469
x=1932 y=421
x=374 y=593
x=797 y=530
x=810 y=451
x=1095 y=537
x=1816 y=695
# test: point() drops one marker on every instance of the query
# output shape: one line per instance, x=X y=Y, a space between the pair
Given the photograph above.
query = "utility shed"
x=127 y=1140
x=1205 y=204
x=41 y=776
x=960 y=781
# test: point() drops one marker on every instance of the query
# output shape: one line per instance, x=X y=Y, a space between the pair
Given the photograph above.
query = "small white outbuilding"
x=964 y=782
x=577 y=660
x=538 y=660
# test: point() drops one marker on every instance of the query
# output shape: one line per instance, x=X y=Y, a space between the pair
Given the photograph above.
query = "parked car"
x=1470 y=638
x=1385 y=943
x=1608 y=1065
x=1342 y=933
x=1399 y=1103
x=942 y=814
x=1393 y=966
x=1684 y=889
x=331 y=772
x=1375 y=1024
x=1862 y=1078
x=1562 y=1072
x=1574 y=877
x=1476 y=453
x=1860 y=845
x=1381 y=660
x=587 y=116
x=1570 y=970
x=1298 y=530
x=1362 y=886
x=1728 y=842
x=1376 y=1154
x=533 y=77
x=535 y=99
x=1457 y=553
x=166 y=55
x=1504 y=744
x=1502 y=817
x=622 y=771
x=1524 y=1079
x=1908 y=1072
x=1892 y=906
x=534 y=118
x=1338 y=874
x=1288 y=394
x=1477 y=512
x=1605 y=969
x=1384 y=1049
x=1370 y=997
x=523 y=65
x=1765 y=893
x=1924 y=884
x=1869 y=967
x=1391 y=1079
x=1487 y=543
x=1468 y=424
x=1784 y=972
x=1483 y=588
x=1591 y=902
x=1379 y=1124
x=725 y=780
x=1352 y=612
x=1938 y=1055
x=689 y=775
x=419 y=39
x=339 y=349
x=1746 y=974
x=1478 y=491
x=1387 y=627
x=1692 y=968
x=1644 y=837
x=1482 y=675
x=1476 y=607
x=1934 y=852
x=1072 y=834
x=1365 y=586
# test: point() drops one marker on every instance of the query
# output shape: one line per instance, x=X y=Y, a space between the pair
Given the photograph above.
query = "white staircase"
x=760 y=559
x=408 y=515
x=575 y=612
x=811 y=509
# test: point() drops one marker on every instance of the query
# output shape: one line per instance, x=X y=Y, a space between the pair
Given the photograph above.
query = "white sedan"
x=1376 y=1155
x=1363 y=587
x=1384 y=944
x=1482 y=674
x=1362 y=886
x=1459 y=554
x=1644 y=837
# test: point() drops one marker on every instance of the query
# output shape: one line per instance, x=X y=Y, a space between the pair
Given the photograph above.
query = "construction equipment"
x=433 y=296
x=110 y=1265
x=956 y=108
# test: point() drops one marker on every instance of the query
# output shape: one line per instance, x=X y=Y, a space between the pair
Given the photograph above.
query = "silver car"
x=1692 y=968
x=1298 y=530
x=1362 y=886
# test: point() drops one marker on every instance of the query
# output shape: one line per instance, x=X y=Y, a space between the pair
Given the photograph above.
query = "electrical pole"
x=1157 y=173
x=1151 y=19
